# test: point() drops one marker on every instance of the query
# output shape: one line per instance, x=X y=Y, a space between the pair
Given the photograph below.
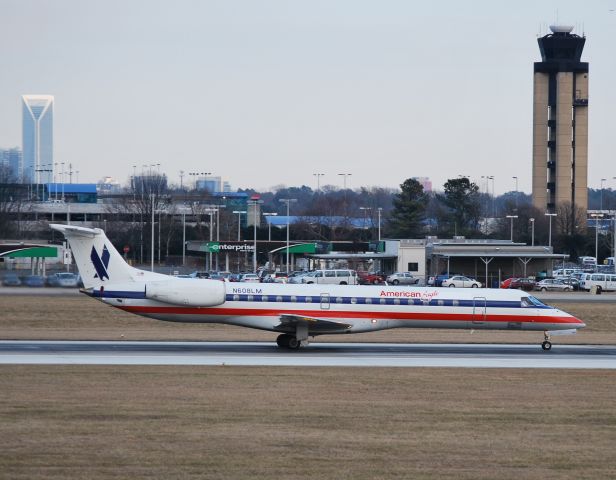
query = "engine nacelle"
x=188 y=292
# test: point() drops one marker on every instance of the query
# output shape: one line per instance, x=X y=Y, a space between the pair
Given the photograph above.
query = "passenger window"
x=264 y=298
x=342 y=273
x=368 y=300
x=293 y=298
x=353 y=300
x=383 y=301
x=236 y=298
x=279 y=298
x=338 y=299
x=396 y=301
x=308 y=299
x=456 y=303
x=250 y=298
x=330 y=273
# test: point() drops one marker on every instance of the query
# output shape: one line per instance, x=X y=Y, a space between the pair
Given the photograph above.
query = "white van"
x=565 y=272
x=335 y=277
x=604 y=281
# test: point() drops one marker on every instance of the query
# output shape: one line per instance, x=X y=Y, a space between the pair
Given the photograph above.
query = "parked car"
x=250 y=278
x=552 y=284
x=296 y=277
x=527 y=284
x=507 y=282
x=438 y=280
x=574 y=282
x=275 y=277
x=34 y=281
x=235 y=277
x=11 y=280
x=402 y=278
x=461 y=281
x=64 y=279
x=199 y=274
x=369 y=278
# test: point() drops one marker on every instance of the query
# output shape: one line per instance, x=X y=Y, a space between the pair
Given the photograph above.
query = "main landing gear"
x=546 y=345
x=288 y=341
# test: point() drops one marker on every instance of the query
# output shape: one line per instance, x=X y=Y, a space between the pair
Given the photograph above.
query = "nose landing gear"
x=546 y=345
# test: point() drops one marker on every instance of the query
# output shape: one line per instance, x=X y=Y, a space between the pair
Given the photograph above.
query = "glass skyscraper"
x=37 y=135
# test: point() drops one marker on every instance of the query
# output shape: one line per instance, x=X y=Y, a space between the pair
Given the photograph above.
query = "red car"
x=507 y=283
x=370 y=278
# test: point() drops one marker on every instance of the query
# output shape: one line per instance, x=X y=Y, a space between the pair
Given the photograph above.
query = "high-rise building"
x=11 y=159
x=37 y=135
x=560 y=122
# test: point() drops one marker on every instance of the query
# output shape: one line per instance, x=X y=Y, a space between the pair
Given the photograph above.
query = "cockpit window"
x=531 y=301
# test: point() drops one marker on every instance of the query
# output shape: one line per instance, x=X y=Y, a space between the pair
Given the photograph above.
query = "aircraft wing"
x=289 y=323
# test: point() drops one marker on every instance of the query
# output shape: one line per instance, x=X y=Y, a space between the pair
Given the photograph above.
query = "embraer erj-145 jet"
x=298 y=312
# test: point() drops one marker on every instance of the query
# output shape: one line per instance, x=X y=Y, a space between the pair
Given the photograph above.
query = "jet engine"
x=187 y=292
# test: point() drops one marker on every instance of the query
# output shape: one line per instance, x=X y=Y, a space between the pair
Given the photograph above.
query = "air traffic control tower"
x=560 y=122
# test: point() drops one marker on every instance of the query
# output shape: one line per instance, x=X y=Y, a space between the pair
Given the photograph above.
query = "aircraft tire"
x=546 y=346
x=283 y=340
x=293 y=343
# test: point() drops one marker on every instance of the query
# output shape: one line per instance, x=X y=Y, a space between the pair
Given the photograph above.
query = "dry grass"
x=243 y=423
x=68 y=318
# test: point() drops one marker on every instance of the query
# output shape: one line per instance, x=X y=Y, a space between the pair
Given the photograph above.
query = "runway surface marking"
x=316 y=354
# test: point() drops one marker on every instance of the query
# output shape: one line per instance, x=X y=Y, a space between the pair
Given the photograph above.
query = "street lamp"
x=380 y=209
x=512 y=217
x=254 y=204
x=318 y=175
x=532 y=230
x=516 y=193
x=288 y=202
x=239 y=221
x=269 y=224
x=596 y=216
x=365 y=209
x=602 y=182
x=550 y=215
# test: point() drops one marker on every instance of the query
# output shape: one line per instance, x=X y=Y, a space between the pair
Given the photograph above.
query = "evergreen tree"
x=463 y=207
x=409 y=210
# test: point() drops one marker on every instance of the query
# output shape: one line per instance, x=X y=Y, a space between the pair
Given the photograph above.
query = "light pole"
x=344 y=176
x=254 y=204
x=596 y=216
x=288 y=202
x=532 y=230
x=239 y=221
x=511 y=217
x=365 y=209
x=318 y=175
x=516 y=193
x=550 y=215
x=269 y=224
x=379 y=210
x=602 y=182
x=152 y=241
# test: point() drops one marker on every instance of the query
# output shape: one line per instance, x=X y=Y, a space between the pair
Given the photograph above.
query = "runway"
x=315 y=355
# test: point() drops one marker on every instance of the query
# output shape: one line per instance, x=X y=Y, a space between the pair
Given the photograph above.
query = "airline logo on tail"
x=100 y=262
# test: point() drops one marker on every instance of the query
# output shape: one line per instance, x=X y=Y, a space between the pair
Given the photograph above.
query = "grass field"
x=84 y=318
x=63 y=422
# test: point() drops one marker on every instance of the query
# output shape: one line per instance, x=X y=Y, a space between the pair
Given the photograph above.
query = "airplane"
x=297 y=312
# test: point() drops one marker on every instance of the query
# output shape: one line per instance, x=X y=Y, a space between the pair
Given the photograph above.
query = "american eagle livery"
x=298 y=312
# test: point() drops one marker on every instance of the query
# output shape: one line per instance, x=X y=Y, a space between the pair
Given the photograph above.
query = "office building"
x=37 y=135
x=11 y=159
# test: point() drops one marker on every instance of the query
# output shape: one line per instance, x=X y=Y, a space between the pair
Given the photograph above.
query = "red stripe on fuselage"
x=269 y=312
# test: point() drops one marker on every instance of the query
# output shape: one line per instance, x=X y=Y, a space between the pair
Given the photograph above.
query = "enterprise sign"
x=216 y=247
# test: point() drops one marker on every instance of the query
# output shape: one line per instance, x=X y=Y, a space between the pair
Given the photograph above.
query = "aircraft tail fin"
x=98 y=261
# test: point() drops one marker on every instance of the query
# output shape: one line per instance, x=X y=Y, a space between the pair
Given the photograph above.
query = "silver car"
x=552 y=284
x=402 y=278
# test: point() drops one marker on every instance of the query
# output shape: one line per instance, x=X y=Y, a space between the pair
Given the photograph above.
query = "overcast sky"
x=264 y=93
